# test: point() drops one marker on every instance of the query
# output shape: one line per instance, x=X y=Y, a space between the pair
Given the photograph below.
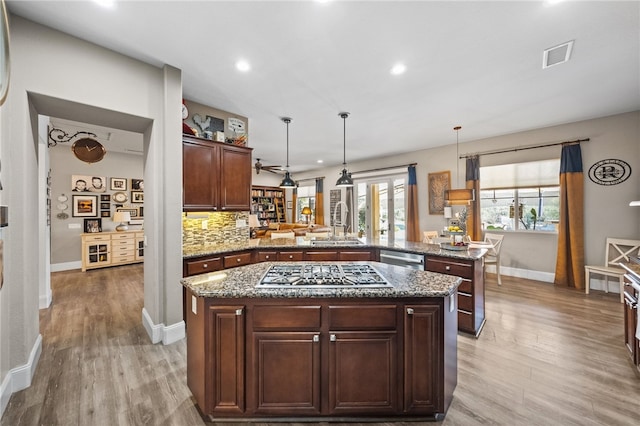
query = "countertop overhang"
x=241 y=282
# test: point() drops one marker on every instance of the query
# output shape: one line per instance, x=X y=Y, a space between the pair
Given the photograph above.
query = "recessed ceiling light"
x=105 y=3
x=243 y=65
x=552 y=2
x=319 y=161
x=398 y=69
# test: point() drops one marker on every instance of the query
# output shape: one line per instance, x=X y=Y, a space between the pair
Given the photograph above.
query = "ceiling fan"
x=273 y=169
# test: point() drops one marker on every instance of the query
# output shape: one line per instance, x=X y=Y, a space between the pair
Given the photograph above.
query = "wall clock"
x=88 y=150
x=120 y=197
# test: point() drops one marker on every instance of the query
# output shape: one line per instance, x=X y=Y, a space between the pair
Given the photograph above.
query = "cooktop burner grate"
x=322 y=275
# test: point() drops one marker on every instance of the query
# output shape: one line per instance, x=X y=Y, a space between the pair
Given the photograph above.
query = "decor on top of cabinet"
x=92 y=225
x=238 y=128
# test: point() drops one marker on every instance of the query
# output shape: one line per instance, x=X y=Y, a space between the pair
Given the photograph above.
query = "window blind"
x=521 y=175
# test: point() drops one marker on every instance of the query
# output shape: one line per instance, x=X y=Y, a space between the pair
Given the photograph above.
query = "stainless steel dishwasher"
x=400 y=258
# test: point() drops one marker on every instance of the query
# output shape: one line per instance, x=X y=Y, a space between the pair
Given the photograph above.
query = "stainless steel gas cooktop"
x=307 y=275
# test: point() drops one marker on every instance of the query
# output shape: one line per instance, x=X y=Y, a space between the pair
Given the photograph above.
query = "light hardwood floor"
x=546 y=356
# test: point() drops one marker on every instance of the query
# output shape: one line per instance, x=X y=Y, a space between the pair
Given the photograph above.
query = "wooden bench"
x=617 y=250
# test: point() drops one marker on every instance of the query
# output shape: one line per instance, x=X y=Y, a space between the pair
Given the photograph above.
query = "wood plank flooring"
x=546 y=356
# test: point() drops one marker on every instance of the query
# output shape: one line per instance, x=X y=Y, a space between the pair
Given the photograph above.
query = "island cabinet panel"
x=292 y=256
x=322 y=255
x=422 y=331
x=266 y=256
x=201 y=266
x=471 y=315
x=286 y=368
x=363 y=372
x=356 y=255
x=215 y=176
x=631 y=321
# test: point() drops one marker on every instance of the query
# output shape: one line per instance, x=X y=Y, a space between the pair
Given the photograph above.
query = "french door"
x=381 y=208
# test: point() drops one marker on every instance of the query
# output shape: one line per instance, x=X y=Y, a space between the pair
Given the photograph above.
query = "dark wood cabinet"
x=215 y=176
x=321 y=357
x=631 y=322
x=471 y=315
x=240 y=258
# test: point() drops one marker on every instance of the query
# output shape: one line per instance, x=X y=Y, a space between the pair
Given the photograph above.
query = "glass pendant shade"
x=287 y=182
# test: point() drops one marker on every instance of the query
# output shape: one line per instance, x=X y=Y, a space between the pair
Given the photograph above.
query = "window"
x=306 y=198
x=521 y=196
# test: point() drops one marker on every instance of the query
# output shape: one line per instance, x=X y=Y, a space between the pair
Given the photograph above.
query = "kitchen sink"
x=335 y=242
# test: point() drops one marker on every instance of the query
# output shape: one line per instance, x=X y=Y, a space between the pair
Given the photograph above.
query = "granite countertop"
x=283 y=243
x=633 y=268
x=241 y=282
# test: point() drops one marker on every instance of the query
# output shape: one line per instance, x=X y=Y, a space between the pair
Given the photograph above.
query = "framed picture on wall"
x=105 y=197
x=438 y=183
x=105 y=213
x=137 y=197
x=105 y=206
x=137 y=184
x=132 y=212
x=118 y=184
x=85 y=205
x=92 y=225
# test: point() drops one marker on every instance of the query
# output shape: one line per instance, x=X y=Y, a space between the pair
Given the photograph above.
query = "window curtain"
x=474 y=223
x=570 y=258
x=413 y=220
x=319 y=202
x=351 y=209
x=294 y=205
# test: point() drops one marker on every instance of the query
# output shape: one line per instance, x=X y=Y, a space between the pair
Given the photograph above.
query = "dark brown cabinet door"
x=199 y=171
x=422 y=328
x=363 y=372
x=235 y=178
x=630 y=321
x=287 y=373
x=225 y=379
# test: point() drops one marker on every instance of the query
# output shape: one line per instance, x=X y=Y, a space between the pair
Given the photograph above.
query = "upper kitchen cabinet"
x=215 y=176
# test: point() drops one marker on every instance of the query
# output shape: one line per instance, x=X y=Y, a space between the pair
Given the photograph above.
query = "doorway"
x=381 y=207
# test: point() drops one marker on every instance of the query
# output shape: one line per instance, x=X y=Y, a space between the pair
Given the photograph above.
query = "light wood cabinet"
x=104 y=249
x=215 y=176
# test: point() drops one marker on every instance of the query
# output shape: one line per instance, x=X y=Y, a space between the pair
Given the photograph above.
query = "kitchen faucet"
x=335 y=213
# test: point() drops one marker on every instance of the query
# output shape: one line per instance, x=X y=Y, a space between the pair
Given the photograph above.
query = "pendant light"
x=345 y=180
x=287 y=182
x=458 y=196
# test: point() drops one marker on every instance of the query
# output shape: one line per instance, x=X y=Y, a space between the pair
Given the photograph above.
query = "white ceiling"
x=475 y=64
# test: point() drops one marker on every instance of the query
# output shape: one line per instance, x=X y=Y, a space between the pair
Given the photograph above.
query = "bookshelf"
x=268 y=202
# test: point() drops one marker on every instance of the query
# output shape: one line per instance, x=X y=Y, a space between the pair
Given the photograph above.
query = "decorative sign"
x=237 y=126
x=609 y=172
x=438 y=182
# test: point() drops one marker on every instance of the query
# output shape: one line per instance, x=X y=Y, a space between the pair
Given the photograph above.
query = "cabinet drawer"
x=354 y=255
x=266 y=256
x=321 y=255
x=92 y=238
x=299 y=318
x=122 y=258
x=465 y=321
x=240 y=259
x=127 y=236
x=362 y=317
x=466 y=287
x=122 y=249
x=196 y=267
x=123 y=243
x=290 y=255
x=465 y=302
x=448 y=267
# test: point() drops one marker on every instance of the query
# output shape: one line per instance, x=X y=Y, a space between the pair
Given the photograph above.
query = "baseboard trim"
x=547 y=277
x=46 y=299
x=20 y=378
x=161 y=333
x=57 y=267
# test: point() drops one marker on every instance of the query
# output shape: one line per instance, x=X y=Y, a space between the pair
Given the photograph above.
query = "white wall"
x=57 y=75
x=607 y=213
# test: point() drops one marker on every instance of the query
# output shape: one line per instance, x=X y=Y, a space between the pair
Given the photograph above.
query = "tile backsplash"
x=213 y=228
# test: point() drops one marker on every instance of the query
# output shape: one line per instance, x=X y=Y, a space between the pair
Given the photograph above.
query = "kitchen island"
x=338 y=353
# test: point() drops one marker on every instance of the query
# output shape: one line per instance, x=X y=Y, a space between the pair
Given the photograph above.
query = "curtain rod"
x=500 y=151
x=385 y=168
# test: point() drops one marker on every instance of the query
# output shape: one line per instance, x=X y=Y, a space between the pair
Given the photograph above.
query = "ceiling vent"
x=557 y=55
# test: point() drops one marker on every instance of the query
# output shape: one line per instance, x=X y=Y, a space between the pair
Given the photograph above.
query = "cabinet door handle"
x=447 y=268
x=290 y=256
x=266 y=257
x=409 y=311
x=239 y=312
x=333 y=338
x=316 y=338
x=238 y=260
x=205 y=266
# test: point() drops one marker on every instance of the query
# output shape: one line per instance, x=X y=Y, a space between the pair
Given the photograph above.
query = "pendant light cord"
x=287 y=120
x=457 y=129
x=344 y=116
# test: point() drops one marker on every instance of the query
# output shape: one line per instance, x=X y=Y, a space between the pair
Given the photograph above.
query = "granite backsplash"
x=211 y=228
